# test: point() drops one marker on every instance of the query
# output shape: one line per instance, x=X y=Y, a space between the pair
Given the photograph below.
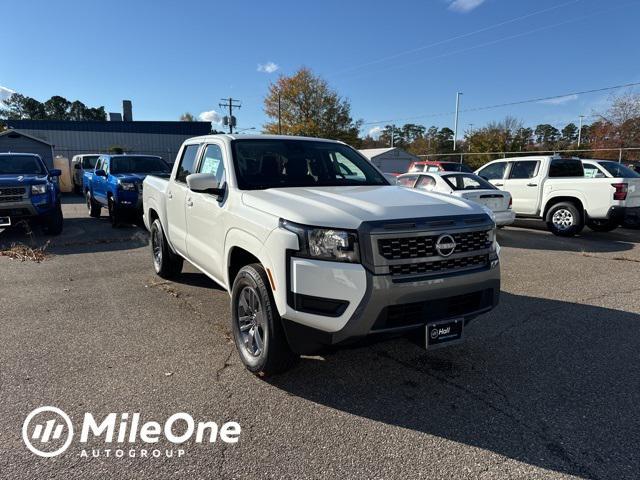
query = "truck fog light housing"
x=325 y=243
x=38 y=189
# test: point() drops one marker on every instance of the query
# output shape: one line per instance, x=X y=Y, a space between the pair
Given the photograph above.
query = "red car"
x=437 y=166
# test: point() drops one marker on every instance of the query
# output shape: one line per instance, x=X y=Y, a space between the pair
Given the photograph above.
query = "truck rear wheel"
x=565 y=220
x=54 y=221
x=602 y=225
x=92 y=206
x=257 y=328
x=166 y=263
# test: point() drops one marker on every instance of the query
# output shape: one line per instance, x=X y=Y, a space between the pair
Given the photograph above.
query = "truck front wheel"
x=565 y=220
x=92 y=206
x=166 y=263
x=257 y=328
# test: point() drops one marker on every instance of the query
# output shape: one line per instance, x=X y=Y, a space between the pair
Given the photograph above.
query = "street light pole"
x=455 y=128
x=580 y=131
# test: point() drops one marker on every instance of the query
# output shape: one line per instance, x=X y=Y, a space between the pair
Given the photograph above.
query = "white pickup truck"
x=315 y=247
x=556 y=190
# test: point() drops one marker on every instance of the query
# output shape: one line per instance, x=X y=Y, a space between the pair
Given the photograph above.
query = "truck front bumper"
x=29 y=207
x=390 y=306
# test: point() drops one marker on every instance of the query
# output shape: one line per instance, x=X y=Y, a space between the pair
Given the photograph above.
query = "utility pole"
x=230 y=103
x=470 y=133
x=393 y=134
x=580 y=131
x=455 y=129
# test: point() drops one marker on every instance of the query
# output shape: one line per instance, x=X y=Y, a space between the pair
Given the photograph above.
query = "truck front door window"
x=212 y=163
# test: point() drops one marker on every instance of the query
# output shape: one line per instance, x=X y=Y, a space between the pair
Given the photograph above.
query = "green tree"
x=57 y=108
x=569 y=133
x=308 y=106
x=547 y=136
x=77 y=110
x=187 y=117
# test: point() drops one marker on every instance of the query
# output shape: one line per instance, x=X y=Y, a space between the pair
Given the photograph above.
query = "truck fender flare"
x=242 y=239
x=563 y=196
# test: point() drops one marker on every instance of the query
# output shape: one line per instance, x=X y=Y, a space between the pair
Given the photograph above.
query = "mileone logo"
x=48 y=432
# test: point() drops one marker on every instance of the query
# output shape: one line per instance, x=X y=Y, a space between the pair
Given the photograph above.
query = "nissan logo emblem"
x=445 y=245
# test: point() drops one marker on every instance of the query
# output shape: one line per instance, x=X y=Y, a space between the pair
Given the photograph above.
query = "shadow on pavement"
x=552 y=384
x=591 y=242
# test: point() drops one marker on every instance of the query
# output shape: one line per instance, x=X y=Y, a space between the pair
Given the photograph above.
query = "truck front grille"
x=424 y=246
x=12 y=191
x=453 y=264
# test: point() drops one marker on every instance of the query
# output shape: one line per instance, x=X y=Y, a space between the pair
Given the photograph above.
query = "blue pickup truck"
x=29 y=191
x=116 y=184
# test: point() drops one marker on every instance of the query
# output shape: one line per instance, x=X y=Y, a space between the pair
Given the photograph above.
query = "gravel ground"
x=546 y=386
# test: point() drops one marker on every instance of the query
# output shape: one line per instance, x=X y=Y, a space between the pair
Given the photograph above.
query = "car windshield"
x=135 y=164
x=269 y=163
x=21 y=165
x=455 y=167
x=467 y=182
x=89 y=163
x=618 y=170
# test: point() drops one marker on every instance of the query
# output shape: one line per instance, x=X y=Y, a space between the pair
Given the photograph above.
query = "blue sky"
x=393 y=60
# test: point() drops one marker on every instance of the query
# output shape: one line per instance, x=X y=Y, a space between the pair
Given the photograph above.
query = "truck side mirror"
x=55 y=172
x=205 y=183
x=101 y=173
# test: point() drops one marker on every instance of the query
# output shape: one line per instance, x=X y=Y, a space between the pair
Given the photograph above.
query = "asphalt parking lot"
x=546 y=386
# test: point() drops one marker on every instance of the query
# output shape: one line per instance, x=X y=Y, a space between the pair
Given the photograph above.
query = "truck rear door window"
x=565 y=168
x=524 y=169
x=187 y=163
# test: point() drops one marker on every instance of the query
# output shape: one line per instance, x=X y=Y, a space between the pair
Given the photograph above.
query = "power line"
x=456 y=37
x=507 y=104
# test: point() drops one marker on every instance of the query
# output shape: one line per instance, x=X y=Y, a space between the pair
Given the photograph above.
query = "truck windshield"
x=135 y=164
x=261 y=164
x=21 y=165
x=617 y=170
x=89 y=163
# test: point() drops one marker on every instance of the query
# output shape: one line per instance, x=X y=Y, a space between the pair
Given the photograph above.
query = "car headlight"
x=127 y=186
x=38 y=189
x=325 y=243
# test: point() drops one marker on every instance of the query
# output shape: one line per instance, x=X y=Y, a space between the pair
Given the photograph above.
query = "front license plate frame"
x=444 y=333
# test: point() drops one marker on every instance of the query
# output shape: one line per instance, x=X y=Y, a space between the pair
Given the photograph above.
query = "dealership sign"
x=48 y=432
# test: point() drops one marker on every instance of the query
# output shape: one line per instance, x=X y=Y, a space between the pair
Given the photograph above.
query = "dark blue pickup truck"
x=29 y=191
x=116 y=183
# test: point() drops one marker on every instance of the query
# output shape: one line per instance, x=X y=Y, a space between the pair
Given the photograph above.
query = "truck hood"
x=21 y=180
x=347 y=207
x=139 y=177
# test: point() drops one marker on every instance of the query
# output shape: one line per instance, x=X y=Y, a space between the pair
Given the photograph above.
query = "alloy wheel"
x=251 y=321
x=563 y=219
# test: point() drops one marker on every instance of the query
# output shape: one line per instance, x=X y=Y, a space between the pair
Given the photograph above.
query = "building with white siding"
x=390 y=160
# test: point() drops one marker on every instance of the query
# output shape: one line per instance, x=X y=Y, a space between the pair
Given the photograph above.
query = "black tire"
x=92 y=206
x=565 y=219
x=166 y=263
x=54 y=221
x=254 y=310
x=602 y=225
x=115 y=217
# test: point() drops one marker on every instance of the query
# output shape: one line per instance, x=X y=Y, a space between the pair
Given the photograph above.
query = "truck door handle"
x=189 y=202
x=499 y=184
x=532 y=184
x=169 y=195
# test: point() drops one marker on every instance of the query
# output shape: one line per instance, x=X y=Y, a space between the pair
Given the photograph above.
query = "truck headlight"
x=325 y=243
x=38 y=189
x=129 y=186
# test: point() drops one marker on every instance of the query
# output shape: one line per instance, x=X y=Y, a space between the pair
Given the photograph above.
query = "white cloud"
x=464 y=6
x=375 y=132
x=560 y=100
x=268 y=67
x=5 y=93
x=210 y=116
